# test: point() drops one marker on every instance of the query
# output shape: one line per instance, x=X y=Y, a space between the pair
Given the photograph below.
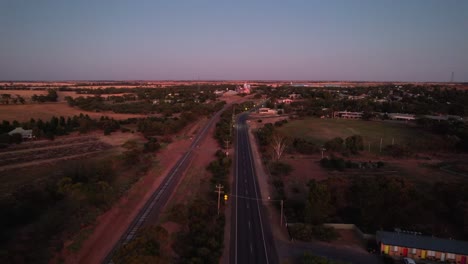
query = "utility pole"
x=219 y=188
x=322 y=149
x=281 y=220
x=227 y=147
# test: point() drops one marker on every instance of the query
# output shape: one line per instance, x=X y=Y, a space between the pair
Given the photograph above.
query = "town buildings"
x=418 y=247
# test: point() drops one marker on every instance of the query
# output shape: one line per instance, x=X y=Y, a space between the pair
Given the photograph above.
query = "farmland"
x=45 y=111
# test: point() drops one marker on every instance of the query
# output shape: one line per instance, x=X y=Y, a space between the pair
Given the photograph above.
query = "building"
x=284 y=101
x=245 y=89
x=444 y=117
x=267 y=111
x=25 y=134
x=398 y=244
x=402 y=117
x=218 y=93
x=230 y=92
x=348 y=115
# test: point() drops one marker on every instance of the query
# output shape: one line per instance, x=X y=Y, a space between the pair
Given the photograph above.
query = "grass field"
x=321 y=130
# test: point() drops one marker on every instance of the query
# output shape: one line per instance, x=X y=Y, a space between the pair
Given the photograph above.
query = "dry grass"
x=45 y=111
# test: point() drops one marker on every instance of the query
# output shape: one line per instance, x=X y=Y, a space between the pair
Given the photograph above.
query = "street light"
x=323 y=149
x=281 y=214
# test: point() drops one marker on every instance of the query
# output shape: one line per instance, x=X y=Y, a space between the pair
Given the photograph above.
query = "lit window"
x=450 y=256
x=431 y=253
x=413 y=251
x=395 y=248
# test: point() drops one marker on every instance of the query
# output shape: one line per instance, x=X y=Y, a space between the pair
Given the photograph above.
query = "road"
x=251 y=237
x=158 y=199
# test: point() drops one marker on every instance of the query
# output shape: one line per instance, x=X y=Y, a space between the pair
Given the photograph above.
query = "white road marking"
x=249 y=152
x=250 y=226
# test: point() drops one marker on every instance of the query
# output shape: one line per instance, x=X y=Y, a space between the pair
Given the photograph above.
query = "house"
x=348 y=115
x=284 y=101
x=444 y=117
x=401 y=117
x=218 y=93
x=267 y=111
x=399 y=244
x=25 y=134
x=230 y=92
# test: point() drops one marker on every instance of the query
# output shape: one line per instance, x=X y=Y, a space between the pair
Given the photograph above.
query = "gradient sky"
x=382 y=40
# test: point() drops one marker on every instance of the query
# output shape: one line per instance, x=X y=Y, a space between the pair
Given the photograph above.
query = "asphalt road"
x=251 y=237
x=158 y=199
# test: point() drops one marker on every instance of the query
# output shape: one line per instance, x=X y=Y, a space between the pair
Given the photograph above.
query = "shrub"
x=307 y=232
x=280 y=168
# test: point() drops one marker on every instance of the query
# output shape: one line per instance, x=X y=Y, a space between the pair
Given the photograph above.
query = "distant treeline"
x=127 y=104
x=57 y=126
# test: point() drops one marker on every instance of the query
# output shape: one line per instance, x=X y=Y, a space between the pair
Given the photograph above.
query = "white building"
x=349 y=115
x=25 y=134
x=267 y=111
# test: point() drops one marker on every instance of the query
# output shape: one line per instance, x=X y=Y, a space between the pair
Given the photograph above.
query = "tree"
x=335 y=144
x=318 y=203
x=354 y=144
x=279 y=144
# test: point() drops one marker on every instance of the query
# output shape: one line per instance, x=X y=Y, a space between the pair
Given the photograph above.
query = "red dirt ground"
x=110 y=225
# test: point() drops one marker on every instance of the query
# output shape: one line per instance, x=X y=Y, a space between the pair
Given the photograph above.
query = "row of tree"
x=51 y=96
x=7 y=99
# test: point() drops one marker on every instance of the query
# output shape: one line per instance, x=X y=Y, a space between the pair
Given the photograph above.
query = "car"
x=408 y=261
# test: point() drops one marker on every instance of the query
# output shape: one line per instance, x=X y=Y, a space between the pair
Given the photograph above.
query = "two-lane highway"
x=251 y=237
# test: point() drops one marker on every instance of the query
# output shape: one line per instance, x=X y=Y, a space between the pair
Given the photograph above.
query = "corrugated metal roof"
x=423 y=242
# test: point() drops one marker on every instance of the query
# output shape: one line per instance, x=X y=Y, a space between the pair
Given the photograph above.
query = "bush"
x=335 y=144
x=280 y=168
x=333 y=163
x=307 y=232
x=397 y=151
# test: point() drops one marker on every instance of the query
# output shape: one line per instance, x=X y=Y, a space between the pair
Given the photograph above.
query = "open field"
x=45 y=111
x=321 y=130
x=27 y=94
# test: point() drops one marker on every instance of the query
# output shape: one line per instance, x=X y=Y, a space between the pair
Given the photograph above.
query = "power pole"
x=227 y=147
x=281 y=220
x=219 y=188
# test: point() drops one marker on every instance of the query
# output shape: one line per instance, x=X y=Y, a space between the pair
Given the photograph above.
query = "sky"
x=367 y=40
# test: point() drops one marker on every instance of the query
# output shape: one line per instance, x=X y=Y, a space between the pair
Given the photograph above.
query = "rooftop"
x=423 y=242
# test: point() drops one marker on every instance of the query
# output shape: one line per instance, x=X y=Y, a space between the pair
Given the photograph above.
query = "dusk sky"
x=381 y=40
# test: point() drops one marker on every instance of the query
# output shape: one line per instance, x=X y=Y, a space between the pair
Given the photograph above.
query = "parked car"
x=408 y=261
